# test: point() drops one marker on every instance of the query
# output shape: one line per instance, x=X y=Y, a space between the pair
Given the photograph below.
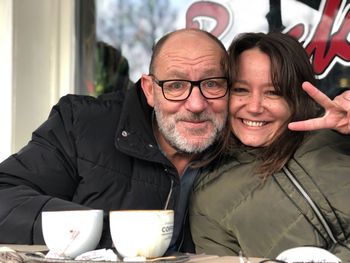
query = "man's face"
x=192 y=125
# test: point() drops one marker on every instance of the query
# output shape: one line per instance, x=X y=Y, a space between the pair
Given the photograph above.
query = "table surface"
x=193 y=258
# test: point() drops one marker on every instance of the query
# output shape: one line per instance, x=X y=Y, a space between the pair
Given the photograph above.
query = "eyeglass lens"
x=181 y=89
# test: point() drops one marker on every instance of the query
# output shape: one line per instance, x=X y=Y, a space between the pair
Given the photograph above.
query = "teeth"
x=254 y=123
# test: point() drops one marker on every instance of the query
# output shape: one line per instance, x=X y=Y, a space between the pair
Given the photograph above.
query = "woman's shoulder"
x=324 y=140
x=225 y=188
x=215 y=169
x=231 y=169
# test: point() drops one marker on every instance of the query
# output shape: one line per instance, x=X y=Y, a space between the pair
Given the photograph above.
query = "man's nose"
x=196 y=102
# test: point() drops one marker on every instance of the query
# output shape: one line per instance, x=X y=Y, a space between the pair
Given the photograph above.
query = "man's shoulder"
x=89 y=105
x=88 y=101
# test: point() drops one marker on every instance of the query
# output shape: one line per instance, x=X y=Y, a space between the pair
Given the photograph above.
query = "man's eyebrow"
x=178 y=74
x=211 y=72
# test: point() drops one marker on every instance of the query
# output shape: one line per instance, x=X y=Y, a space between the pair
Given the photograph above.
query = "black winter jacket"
x=91 y=152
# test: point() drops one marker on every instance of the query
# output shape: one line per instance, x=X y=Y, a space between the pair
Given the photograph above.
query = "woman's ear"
x=147 y=87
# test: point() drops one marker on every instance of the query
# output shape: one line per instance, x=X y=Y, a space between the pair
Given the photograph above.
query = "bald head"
x=189 y=125
x=189 y=40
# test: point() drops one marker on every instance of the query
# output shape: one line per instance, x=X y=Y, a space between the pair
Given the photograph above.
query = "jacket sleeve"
x=208 y=236
x=41 y=176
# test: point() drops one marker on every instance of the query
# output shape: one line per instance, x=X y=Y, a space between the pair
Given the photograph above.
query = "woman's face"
x=257 y=113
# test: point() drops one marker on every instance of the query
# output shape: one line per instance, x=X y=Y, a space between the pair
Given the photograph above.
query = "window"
x=120 y=34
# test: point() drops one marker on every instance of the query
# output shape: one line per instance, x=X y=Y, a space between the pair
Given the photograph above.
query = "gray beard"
x=179 y=142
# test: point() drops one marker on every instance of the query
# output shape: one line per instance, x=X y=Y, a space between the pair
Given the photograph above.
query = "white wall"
x=5 y=77
x=42 y=55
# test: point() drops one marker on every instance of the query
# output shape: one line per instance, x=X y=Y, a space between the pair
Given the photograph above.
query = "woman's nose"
x=255 y=103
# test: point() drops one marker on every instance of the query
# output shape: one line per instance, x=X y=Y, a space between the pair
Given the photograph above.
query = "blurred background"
x=49 y=48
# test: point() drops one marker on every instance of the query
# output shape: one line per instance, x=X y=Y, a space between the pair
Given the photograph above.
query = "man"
x=112 y=153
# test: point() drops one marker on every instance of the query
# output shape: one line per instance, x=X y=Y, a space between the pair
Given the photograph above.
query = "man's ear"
x=147 y=87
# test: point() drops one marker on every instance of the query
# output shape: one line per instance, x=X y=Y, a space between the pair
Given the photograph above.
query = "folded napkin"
x=307 y=254
x=9 y=255
x=98 y=255
x=94 y=255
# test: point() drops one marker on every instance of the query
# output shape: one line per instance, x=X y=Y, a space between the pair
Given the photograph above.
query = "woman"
x=273 y=188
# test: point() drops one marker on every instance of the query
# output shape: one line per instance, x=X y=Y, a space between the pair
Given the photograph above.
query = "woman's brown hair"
x=290 y=67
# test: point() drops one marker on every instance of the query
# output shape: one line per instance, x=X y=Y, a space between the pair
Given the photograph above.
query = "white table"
x=193 y=258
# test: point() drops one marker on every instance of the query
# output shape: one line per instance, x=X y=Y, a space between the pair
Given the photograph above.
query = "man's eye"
x=176 y=85
x=210 y=84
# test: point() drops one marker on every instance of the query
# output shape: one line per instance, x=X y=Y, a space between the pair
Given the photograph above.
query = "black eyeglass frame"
x=197 y=83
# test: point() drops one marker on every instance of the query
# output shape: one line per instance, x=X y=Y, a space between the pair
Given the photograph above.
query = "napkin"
x=307 y=254
x=94 y=255
x=98 y=255
x=9 y=255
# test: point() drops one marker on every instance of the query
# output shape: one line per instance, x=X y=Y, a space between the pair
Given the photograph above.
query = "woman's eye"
x=237 y=90
x=272 y=93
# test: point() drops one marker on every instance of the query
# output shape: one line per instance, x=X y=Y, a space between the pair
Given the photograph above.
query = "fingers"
x=337 y=112
x=316 y=123
x=308 y=125
x=317 y=95
x=298 y=126
x=343 y=100
x=346 y=95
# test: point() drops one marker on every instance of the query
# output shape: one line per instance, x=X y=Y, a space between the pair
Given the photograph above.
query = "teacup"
x=141 y=233
x=68 y=234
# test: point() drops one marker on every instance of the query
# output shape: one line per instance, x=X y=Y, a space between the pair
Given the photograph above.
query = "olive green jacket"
x=231 y=210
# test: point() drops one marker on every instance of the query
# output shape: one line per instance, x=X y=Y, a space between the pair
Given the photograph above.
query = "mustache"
x=203 y=116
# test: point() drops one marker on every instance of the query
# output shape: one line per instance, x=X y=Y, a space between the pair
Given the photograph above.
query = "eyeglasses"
x=180 y=89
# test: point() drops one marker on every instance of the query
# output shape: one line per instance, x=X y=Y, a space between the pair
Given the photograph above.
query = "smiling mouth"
x=195 y=121
x=196 y=124
x=254 y=123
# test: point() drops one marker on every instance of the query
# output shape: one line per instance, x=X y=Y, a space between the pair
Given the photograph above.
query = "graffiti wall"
x=322 y=26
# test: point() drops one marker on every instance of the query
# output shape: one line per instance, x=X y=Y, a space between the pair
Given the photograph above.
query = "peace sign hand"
x=337 y=112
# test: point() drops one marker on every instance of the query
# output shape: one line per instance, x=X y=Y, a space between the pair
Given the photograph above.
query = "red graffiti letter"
x=208 y=9
x=326 y=46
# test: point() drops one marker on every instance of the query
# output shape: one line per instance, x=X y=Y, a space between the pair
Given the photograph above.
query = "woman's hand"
x=337 y=112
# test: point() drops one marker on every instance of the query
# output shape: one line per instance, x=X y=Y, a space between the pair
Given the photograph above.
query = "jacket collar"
x=134 y=134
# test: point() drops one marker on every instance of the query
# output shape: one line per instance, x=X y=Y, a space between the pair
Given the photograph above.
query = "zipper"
x=311 y=203
x=169 y=195
x=185 y=218
x=182 y=231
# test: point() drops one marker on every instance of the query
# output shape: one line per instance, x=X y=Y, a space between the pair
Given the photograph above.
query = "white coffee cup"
x=141 y=233
x=307 y=254
x=68 y=234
